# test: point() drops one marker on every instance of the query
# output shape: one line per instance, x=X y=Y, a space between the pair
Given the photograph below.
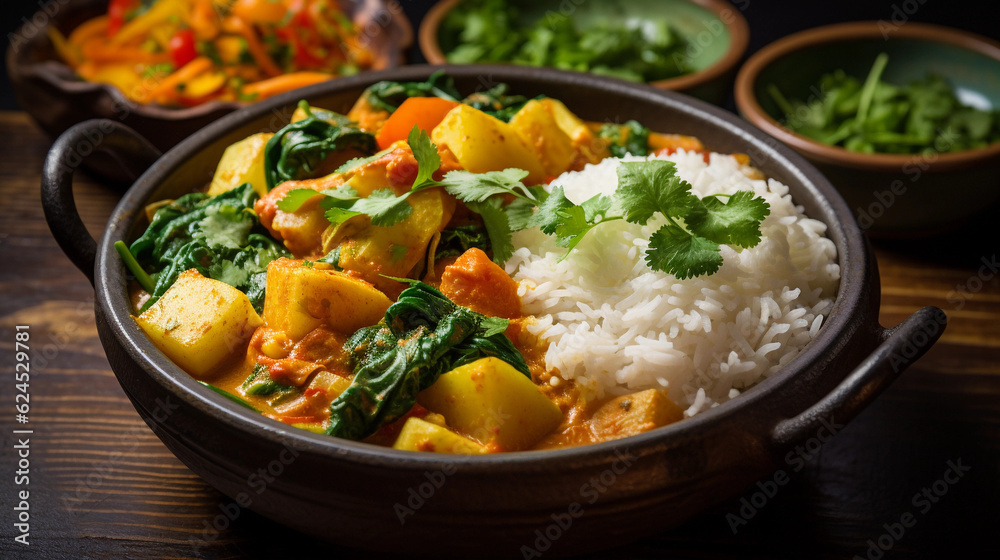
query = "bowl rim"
x=739 y=33
x=53 y=70
x=750 y=108
x=854 y=258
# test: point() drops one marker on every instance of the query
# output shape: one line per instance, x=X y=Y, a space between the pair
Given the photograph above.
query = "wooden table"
x=103 y=486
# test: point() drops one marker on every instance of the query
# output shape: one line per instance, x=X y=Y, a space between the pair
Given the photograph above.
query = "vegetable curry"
x=343 y=275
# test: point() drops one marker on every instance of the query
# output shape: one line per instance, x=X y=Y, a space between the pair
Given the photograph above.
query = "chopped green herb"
x=925 y=116
x=482 y=31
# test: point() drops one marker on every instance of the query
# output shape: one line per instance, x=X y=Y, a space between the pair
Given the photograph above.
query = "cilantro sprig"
x=689 y=243
x=383 y=206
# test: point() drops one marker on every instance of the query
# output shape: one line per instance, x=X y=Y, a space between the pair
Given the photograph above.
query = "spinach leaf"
x=457 y=240
x=423 y=335
x=219 y=236
x=259 y=383
x=388 y=96
x=299 y=149
x=496 y=102
x=625 y=139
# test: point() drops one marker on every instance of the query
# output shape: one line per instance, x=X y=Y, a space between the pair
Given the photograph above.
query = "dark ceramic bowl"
x=372 y=497
x=891 y=195
x=56 y=98
x=718 y=33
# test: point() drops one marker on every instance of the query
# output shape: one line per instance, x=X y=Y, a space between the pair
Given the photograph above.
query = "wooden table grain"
x=103 y=486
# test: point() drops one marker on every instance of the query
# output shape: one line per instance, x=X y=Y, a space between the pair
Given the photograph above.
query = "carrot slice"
x=285 y=82
x=424 y=112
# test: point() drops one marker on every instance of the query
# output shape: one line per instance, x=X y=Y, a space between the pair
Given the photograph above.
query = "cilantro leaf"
x=359 y=161
x=385 y=208
x=647 y=187
x=596 y=208
x=295 y=198
x=428 y=160
x=224 y=227
x=735 y=222
x=519 y=213
x=673 y=250
x=337 y=215
x=477 y=187
x=549 y=214
x=568 y=222
x=571 y=229
x=497 y=228
x=339 y=194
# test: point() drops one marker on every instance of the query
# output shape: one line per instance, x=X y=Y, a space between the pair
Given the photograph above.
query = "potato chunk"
x=589 y=147
x=493 y=403
x=483 y=143
x=301 y=298
x=633 y=414
x=375 y=252
x=420 y=435
x=199 y=322
x=538 y=128
x=242 y=162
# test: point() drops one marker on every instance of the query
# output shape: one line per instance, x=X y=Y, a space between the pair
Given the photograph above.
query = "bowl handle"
x=900 y=347
x=133 y=152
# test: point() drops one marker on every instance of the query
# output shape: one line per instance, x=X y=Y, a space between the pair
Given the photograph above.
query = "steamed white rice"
x=615 y=326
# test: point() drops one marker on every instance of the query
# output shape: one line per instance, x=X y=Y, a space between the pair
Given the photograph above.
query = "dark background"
x=769 y=20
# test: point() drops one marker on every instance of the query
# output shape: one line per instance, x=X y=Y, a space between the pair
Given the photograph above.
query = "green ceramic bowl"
x=891 y=195
x=718 y=34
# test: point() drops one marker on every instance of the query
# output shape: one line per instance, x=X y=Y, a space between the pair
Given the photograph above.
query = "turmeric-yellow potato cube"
x=493 y=403
x=484 y=143
x=420 y=435
x=300 y=298
x=242 y=162
x=586 y=143
x=633 y=414
x=200 y=322
x=539 y=129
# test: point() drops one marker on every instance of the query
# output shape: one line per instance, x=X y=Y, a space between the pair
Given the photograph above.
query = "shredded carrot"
x=168 y=87
x=102 y=53
x=236 y=25
x=286 y=82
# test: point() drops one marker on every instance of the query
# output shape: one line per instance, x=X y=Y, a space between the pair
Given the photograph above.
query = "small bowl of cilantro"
x=903 y=119
x=692 y=46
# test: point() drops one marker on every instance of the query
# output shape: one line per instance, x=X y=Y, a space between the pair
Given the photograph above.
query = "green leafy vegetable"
x=497 y=227
x=259 y=383
x=925 y=116
x=298 y=150
x=496 y=102
x=479 y=31
x=134 y=267
x=423 y=335
x=456 y=241
x=219 y=236
x=630 y=138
